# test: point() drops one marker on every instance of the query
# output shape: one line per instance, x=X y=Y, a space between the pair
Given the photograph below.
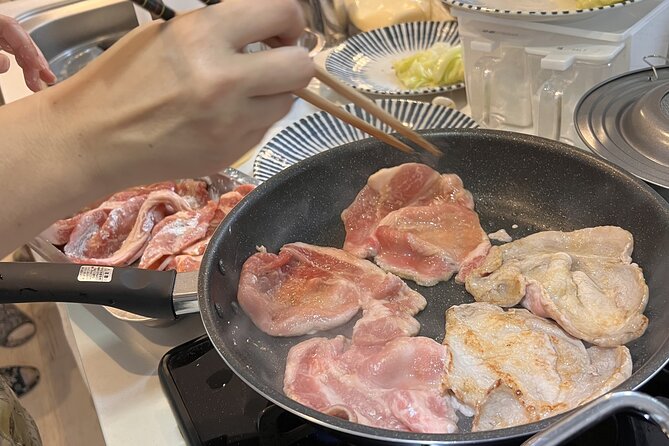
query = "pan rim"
x=208 y=313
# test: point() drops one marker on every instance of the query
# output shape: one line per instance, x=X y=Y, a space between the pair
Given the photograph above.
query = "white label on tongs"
x=95 y=274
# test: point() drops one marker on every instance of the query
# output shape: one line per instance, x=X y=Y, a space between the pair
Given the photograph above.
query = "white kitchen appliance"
x=528 y=76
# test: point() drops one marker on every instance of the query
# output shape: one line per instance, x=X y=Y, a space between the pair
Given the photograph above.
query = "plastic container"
x=528 y=76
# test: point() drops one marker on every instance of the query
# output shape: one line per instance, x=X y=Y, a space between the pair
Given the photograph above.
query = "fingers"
x=45 y=73
x=5 y=46
x=48 y=76
x=4 y=63
x=255 y=21
x=276 y=71
x=15 y=40
x=31 y=76
x=32 y=80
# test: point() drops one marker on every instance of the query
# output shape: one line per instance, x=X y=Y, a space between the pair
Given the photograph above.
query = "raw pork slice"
x=110 y=236
x=513 y=367
x=175 y=233
x=584 y=280
x=84 y=229
x=225 y=204
x=154 y=209
x=306 y=288
x=416 y=223
x=391 y=189
x=190 y=257
x=427 y=244
x=59 y=232
x=136 y=191
x=392 y=386
x=185 y=263
x=194 y=191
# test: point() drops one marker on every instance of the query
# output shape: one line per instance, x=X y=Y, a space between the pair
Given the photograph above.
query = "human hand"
x=180 y=99
x=14 y=40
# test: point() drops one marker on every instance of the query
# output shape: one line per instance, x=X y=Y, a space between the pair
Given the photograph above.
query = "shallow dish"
x=321 y=131
x=365 y=61
x=534 y=10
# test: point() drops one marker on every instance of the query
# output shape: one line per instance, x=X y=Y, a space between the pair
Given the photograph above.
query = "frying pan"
x=534 y=183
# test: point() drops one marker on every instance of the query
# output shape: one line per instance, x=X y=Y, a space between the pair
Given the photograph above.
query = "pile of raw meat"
x=163 y=225
x=503 y=367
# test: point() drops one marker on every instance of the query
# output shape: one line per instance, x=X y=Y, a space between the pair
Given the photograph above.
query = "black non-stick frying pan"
x=534 y=183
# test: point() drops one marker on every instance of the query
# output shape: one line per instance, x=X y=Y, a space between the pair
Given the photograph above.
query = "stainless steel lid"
x=626 y=120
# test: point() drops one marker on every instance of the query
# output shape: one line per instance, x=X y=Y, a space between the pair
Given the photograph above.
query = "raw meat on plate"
x=59 y=233
x=154 y=209
x=172 y=220
x=142 y=190
x=176 y=233
x=196 y=192
x=179 y=241
x=99 y=234
x=584 y=280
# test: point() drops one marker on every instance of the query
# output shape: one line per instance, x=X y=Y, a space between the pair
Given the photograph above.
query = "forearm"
x=46 y=169
x=169 y=100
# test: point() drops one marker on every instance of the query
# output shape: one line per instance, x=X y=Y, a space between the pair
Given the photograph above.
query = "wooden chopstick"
x=340 y=113
x=370 y=106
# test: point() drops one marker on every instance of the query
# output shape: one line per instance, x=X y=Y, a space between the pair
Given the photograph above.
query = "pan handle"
x=144 y=292
x=598 y=409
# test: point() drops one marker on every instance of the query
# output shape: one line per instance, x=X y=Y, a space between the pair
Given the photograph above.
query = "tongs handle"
x=598 y=409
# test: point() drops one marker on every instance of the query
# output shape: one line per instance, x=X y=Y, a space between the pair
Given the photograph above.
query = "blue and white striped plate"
x=533 y=10
x=365 y=61
x=321 y=131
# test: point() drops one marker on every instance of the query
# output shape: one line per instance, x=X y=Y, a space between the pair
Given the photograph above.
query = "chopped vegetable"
x=439 y=65
x=585 y=4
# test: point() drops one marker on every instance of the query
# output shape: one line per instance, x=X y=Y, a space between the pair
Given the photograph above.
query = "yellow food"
x=371 y=14
x=439 y=65
x=585 y=4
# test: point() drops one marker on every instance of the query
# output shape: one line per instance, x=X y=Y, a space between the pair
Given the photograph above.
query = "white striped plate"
x=533 y=10
x=321 y=131
x=365 y=61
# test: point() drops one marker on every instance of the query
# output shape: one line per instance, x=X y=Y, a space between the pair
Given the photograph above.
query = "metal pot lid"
x=626 y=121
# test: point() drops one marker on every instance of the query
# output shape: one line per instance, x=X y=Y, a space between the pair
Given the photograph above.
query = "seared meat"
x=584 y=280
x=513 y=367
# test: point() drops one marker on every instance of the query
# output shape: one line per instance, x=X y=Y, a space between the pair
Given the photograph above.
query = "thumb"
x=4 y=63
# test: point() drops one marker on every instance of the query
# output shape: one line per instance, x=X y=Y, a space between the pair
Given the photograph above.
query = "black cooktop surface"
x=214 y=407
